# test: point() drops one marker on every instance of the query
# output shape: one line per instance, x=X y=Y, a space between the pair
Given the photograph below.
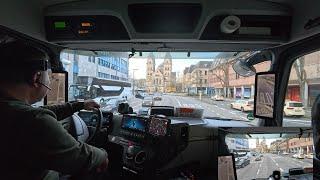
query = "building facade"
x=311 y=85
x=195 y=78
x=160 y=79
x=105 y=65
x=295 y=145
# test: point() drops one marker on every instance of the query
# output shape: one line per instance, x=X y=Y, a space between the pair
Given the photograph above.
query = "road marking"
x=177 y=101
x=258 y=171
x=274 y=161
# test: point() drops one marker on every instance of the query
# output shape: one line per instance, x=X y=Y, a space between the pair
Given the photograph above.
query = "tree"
x=301 y=77
x=221 y=72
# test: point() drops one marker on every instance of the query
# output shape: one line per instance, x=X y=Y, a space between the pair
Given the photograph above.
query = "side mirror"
x=59 y=89
x=244 y=66
x=264 y=95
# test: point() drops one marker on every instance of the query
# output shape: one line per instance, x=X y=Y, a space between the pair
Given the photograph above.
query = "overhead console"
x=165 y=17
x=86 y=27
x=248 y=28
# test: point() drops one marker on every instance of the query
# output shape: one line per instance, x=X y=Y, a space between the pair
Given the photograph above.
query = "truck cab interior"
x=175 y=142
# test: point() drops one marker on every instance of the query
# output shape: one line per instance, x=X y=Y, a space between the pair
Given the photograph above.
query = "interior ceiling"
x=31 y=25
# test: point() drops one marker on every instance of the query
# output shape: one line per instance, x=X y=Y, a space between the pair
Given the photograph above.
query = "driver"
x=32 y=141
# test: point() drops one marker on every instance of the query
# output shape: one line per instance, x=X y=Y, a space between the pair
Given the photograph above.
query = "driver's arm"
x=65 y=110
x=55 y=149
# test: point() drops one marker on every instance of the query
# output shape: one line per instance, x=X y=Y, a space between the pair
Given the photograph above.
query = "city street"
x=269 y=163
x=213 y=109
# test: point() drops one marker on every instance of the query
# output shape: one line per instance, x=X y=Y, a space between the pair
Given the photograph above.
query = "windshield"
x=182 y=79
x=259 y=155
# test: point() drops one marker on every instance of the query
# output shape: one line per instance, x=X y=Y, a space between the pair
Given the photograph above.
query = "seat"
x=316 y=137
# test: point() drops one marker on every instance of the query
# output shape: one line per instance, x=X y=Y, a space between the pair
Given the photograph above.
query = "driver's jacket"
x=33 y=142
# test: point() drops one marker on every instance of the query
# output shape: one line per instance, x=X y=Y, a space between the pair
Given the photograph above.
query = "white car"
x=295 y=155
x=309 y=156
x=217 y=98
x=243 y=105
x=300 y=156
x=285 y=153
x=293 y=108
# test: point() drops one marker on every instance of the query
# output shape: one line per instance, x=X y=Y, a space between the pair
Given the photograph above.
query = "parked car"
x=217 y=98
x=294 y=155
x=285 y=153
x=243 y=105
x=293 y=108
x=300 y=156
x=147 y=101
x=309 y=156
x=157 y=97
x=258 y=158
x=242 y=162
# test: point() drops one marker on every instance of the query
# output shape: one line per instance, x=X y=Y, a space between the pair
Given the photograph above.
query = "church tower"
x=167 y=69
x=150 y=72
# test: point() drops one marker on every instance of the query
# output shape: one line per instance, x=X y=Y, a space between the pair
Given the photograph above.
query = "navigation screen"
x=135 y=123
x=226 y=168
x=158 y=126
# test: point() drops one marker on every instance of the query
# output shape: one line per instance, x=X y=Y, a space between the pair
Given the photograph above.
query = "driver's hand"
x=90 y=105
x=104 y=166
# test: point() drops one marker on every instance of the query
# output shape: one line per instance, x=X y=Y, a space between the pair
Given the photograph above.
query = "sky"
x=139 y=65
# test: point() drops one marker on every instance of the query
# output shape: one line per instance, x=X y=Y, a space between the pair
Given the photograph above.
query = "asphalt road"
x=269 y=163
x=214 y=109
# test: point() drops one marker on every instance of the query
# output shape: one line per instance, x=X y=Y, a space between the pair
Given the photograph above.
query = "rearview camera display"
x=134 y=123
x=264 y=101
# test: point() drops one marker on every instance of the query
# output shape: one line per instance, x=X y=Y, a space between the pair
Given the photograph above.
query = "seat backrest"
x=316 y=126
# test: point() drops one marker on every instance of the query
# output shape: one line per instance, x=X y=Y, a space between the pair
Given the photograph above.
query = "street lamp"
x=133 y=80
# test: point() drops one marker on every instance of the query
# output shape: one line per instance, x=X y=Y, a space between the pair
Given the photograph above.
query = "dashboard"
x=157 y=144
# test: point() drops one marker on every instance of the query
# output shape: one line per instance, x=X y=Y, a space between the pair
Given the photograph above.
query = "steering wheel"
x=81 y=131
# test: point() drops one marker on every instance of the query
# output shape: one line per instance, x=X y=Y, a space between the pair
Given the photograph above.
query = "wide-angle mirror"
x=57 y=94
x=264 y=95
x=245 y=64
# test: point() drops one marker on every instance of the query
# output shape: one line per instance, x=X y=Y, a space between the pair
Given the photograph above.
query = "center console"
x=150 y=142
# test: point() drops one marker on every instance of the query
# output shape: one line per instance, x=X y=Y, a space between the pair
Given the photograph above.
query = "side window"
x=303 y=88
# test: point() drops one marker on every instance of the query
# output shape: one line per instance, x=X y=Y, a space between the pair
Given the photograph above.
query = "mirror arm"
x=258 y=58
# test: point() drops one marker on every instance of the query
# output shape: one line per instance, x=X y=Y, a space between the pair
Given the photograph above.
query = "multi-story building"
x=295 y=145
x=196 y=77
x=104 y=65
x=160 y=79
